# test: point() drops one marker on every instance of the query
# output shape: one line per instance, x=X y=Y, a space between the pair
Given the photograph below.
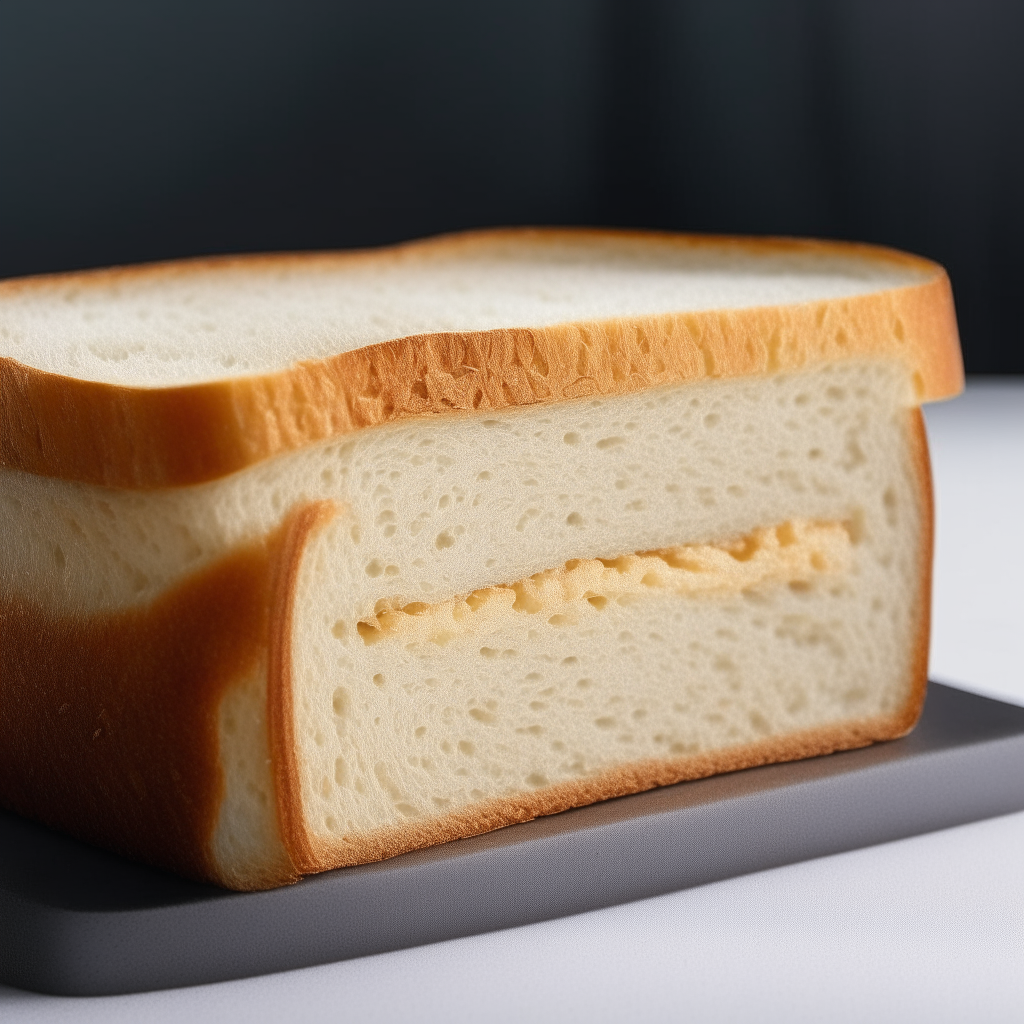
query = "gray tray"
x=78 y=921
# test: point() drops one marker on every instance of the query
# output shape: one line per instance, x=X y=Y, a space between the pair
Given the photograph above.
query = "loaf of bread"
x=311 y=560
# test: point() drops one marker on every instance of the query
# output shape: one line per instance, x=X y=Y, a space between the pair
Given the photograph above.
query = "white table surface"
x=930 y=928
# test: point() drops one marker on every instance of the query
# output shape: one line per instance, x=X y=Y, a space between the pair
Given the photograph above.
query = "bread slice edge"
x=129 y=437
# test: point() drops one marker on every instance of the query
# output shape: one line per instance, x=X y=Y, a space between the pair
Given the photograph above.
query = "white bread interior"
x=212 y=320
x=473 y=696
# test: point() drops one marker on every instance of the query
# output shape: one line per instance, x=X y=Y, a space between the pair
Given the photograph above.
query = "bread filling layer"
x=791 y=553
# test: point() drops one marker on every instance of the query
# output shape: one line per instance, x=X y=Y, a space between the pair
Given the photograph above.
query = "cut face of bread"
x=716 y=574
x=265 y=625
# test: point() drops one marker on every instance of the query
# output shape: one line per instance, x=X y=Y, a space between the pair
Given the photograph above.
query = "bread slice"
x=313 y=560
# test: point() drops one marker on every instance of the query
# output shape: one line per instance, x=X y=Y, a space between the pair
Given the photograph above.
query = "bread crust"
x=911 y=712
x=280 y=704
x=109 y=721
x=130 y=437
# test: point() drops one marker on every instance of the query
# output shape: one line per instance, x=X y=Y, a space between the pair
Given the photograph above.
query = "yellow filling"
x=792 y=553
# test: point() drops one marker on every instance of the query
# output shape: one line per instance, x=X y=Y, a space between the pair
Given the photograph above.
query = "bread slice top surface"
x=197 y=321
x=179 y=373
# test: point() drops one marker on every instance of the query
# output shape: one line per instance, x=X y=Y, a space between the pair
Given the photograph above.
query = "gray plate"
x=78 y=921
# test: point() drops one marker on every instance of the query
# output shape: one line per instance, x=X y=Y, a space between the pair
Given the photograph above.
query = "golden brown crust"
x=130 y=437
x=280 y=714
x=109 y=722
x=911 y=711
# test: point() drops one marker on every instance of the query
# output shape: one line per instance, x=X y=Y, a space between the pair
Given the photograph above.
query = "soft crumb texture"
x=643 y=578
x=207 y=321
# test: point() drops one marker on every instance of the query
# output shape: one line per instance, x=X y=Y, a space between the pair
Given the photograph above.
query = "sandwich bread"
x=312 y=560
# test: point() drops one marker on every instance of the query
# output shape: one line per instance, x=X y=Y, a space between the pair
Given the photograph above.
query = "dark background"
x=143 y=130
